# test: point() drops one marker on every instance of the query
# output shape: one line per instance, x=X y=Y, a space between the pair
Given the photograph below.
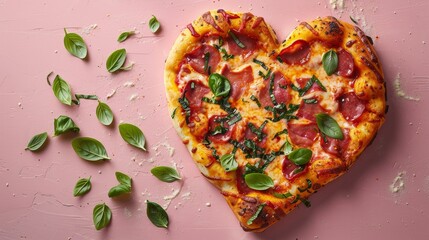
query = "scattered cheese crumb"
x=129 y=84
x=400 y=92
x=88 y=29
x=111 y=94
x=208 y=204
x=398 y=183
x=134 y=97
x=337 y=4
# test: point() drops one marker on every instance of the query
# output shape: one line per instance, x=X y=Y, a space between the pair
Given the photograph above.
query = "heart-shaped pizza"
x=269 y=124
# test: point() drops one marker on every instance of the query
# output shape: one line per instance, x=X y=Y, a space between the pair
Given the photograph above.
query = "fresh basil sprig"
x=165 y=174
x=300 y=156
x=154 y=24
x=157 y=215
x=219 y=85
x=329 y=126
x=258 y=181
x=75 y=45
x=82 y=186
x=64 y=124
x=330 y=62
x=132 y=135
x=123 y=187
x=62 y=90
x=37 y=141
x=286 y=148
x=116 y=60
x=89 y=149
x=228 y=162
x=101 y=216
x=124 y=36
x=256 y=214
x=104 y=113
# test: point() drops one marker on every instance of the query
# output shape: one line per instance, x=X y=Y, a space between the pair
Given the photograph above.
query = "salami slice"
x=219 y=129
x=302 y=135
x=309 y=110
x=280 y=91
x=239 y=81
x=291 y=170
x=336 y=147
x=297 y=53
x=345 y=64
x=351 y=106
x=194 y=92
x=250 y=44
x=197 y=60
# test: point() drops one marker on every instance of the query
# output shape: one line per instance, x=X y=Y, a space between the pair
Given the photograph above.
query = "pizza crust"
x=322 y=34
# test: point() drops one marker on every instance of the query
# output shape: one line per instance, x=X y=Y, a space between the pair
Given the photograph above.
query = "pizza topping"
x=330 y=62
x=240 y=44
x=309 y=110
x=192 y=30
x=309 y=184
x=302 y=135
x=307 y=85
x=297 y=53
x=328 y=126
x=345 y=64
x=208 y=18
x=282 y=195
x=255 y=99
x=227 y=16
x=242 y=187
x=219 y=129
x=203 y=58
x=256 y=214
x=258 y=181
x=246 y=17
x=351 y=106
x=309 y=27
x=257 y=22
x=284 y=131
x=258 y=131
x=291 y=170
x=236 y=40
x=300 y=156
x=191 y=99
x=219 y=85
x=276 y=92
x=334 y=146
x=240 y=81
x=228 y=162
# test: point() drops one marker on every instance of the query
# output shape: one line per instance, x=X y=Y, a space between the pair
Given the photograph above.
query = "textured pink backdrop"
x=36 y=188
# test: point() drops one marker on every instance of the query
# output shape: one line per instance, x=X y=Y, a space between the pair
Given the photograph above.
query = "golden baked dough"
x=275 y=92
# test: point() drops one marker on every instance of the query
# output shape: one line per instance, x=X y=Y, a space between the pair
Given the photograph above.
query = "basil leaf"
x=330 y=62
x=75 y=45
x=82 y=186
x=123 y=36
x=132 y=135
x=173 y=114
x=254 y=216
x=154 y=24
x=286 y=148
x=89 y=149
x=236 y=40
x=101 y=216
x=258 y=181
x=165 y=174
x=37 y=141
x=119 y=190
x=157 y=215
x=104 y=113
x=282 y=195
x=228 y=162
x=329 y=126
x=62 y=90
x=219 y=85
x=300 y=156
x=116 y=60
x=64 y=124
x=123 y=179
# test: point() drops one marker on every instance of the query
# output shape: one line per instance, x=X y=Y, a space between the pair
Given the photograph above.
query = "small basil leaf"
x=286 y=148
x=157 y=215
x=254 y=216
x=82 y=186
x=119 y=190
x=123 y=179
x=101 y=216
x=62 y=90
x=132 y=135
x=219 y=85
x=228 y=162
x=37 y=141
x=329 y=126
x=75 y=45
x=300 y=156
x=154 y=24
x=258 y=181
x=123 y=36
x=89 y=149
x=165 y=174
x=64 y=124
x=104 y=113
x=330 y=62
x=116 y=60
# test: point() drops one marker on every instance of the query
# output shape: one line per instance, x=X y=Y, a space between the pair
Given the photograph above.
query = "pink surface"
x=37 y=200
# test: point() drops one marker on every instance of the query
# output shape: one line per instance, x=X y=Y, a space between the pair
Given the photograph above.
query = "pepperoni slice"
x=302 y=135
x=297 y=53
x=253 y=137
x=351 y=106
x=291 y=170
x=241 y=184
x=336 y=147
x=345 y=64
x=280 y=93
x=216 y=123
x=308 y=110
x=194 y=92
x=208 y=18
x=250 y=44
x=239 y=81
x=227 y=16
x=197 y=61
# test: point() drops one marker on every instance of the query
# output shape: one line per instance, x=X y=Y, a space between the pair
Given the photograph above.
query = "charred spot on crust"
x=334 y=29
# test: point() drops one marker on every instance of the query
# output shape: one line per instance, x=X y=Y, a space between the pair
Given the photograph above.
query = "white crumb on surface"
x=133 y=97
x=168 y=198
x=129 y=84
x=127 y=213
x=337 y=4
x=400 y=92
x=208 y=204
x=88 y=29
x=169 y=148
x=186 y=196
x=111 y=93
x=398 y=183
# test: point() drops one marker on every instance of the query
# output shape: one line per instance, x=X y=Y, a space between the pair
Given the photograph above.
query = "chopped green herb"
x=225 y=55
x=236 y=40
x=262 y=64
x=173 y=114
x=255 y=99
x=258 y=211
x=185 y=106
x=309 y=184
x=310 y=101
x=206 y=61
x=284 y=131
x=282 y=195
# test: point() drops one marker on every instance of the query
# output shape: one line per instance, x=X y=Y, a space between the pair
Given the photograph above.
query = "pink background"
x=36 y=188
